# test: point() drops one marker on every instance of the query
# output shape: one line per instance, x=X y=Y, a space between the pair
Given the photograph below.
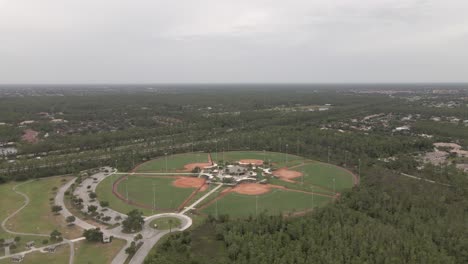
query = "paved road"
x=26 y=203
x=116 y=232
x=188 y=208
x=151 y=236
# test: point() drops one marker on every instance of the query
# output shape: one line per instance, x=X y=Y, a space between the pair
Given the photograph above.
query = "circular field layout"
x=280 y=183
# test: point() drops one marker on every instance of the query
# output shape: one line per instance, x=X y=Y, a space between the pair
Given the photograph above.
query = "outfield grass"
x=280 y=159
x=104 y=193
x=274 y=202
x=61 y=256
x=163 y=223
x=174 y=162
x=40 y=192
x=97 y=253
x=322 y=174
x=140 y=189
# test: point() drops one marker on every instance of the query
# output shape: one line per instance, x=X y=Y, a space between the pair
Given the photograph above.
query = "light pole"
x=126 y=187
x=334 y=188
x=312 y=189
x=256 y=205
x=154 y=197
x=328 y=154
x=286 y=154
x=165 y=155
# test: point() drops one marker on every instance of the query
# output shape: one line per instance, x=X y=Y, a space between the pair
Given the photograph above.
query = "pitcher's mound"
x=287 y=175
x=251 y=161
x=251 y=188
x=188 y=182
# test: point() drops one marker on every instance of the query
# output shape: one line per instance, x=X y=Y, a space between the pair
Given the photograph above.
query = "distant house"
x=402 y=128
x=17 y=258
x=30 y=244
x=27 y=122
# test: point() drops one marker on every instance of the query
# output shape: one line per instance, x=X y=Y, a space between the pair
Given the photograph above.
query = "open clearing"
x=297 y=179
x=160 y=189
x=274 y=202
x=164 y=223
x=87 y=252
x=39 y=208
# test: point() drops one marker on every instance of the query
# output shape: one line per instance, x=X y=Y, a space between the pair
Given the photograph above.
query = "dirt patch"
x=251 y=161
x=204 y=187
x=251 y=188
x=188 y=182
x=30 y=136
x=286 y=174
x=201 y=165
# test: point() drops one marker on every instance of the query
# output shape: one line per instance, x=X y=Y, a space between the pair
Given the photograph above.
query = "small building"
x=30 y=244
x=106 y=239
x=17 y=258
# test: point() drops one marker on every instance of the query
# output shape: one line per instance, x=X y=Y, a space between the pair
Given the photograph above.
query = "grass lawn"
x=104 y=192
x=174 y=162
x=322 y=174
x=11 y=201
x=274 y=202
x=39 y=193
x=97 y=253
x=275 y=157
x=60 y=256
x=140 y=189
x=164 y=224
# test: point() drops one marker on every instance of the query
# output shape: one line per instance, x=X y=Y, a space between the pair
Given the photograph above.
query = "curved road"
x=26 y=203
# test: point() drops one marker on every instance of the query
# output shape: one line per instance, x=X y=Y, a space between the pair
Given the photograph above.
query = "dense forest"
x=388 y=219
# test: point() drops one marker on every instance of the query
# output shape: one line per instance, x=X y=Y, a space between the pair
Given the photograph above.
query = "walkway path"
x=26 y=203
x=188 y=208
x=422 y=179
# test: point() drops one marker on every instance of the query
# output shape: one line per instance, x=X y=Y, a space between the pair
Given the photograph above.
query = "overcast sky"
x=159 y=41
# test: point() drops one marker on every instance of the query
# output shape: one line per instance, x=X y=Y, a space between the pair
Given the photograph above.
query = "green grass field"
x=96 y=253
x=140 y=189
x=174 y=162
x=40 y=192
x=322 y=174
x=164 y=224
x=104 y=192
x=274 y=202
x=44 y=222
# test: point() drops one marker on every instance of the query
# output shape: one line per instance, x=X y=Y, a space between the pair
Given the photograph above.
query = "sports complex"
x=246 y=183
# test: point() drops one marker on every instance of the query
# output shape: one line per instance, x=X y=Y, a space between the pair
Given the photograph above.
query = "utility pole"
x=216 y=208
x=312 y=189
x=359 y=169
x=334 y=188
